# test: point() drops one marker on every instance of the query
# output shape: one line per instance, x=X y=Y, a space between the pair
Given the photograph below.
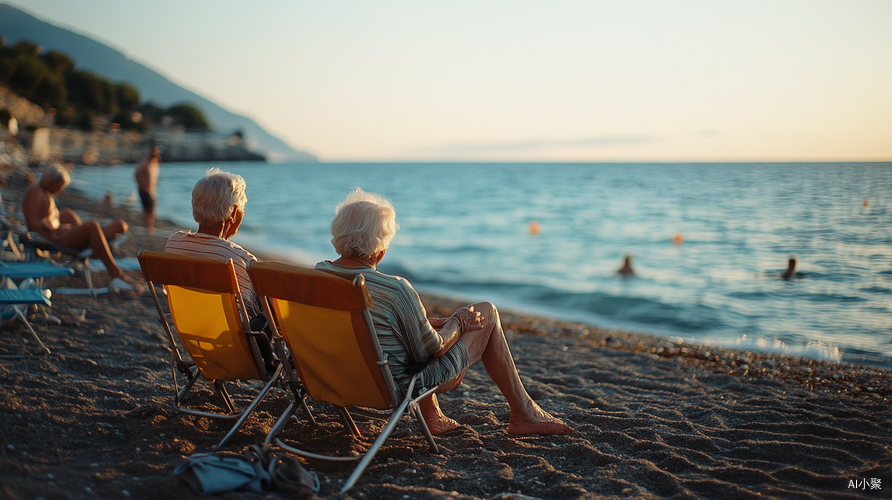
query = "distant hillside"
x=17 y=25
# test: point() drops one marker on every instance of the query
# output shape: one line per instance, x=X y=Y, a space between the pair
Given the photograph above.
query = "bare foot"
x=536 y=421
x=523 y=427
x=124 y=283
x=434 y=418
x=440 y=424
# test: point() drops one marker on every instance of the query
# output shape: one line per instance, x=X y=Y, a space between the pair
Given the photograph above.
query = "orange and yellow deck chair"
x=211 y=321
x=325 y=323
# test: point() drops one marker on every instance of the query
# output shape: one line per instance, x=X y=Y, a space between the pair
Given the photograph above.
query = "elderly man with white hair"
x=362 y=229
x=64 y=228
x=218 y=206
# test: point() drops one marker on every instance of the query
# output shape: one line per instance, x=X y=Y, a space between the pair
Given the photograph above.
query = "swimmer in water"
x=626 y=270
x=791 y=268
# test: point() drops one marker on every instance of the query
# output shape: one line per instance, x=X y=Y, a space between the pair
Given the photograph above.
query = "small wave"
x=629 y=310
x=756 y=296
x=812 y=350
x=831 y=297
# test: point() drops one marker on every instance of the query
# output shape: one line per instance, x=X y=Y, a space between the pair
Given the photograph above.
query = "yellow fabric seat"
x=211 y=322
x=324 y=322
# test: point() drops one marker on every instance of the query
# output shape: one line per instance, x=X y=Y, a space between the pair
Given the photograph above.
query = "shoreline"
x=440 y=295
x=672 y=345
x=653 y=418
x=664 y=299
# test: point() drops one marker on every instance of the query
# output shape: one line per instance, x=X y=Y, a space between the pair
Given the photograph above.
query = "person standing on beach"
x=146 y=181
x=441 y=348
x=66 y=229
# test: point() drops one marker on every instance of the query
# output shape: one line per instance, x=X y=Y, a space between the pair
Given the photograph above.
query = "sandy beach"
x=652 y=418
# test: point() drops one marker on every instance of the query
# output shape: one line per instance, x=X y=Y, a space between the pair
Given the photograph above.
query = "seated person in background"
x=626 y=270
x=218 y=206
x=66 y=229
x=363 y=227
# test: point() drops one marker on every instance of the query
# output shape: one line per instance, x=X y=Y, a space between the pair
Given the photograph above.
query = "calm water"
x=465 y=231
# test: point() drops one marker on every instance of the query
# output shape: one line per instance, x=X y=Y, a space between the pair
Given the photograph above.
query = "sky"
x=522 y=80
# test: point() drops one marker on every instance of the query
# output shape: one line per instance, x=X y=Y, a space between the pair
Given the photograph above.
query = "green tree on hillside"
x=58 y=62
x=51 y=80
x=189 y=116
x=27 y=74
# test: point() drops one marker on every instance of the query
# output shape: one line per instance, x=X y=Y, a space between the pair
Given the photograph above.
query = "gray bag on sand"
x=255 y=471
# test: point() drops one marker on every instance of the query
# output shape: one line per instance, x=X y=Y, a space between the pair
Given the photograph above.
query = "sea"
x=708 y=241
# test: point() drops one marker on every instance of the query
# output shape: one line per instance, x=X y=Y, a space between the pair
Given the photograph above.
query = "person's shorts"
x=148 y=201
x=446 y=368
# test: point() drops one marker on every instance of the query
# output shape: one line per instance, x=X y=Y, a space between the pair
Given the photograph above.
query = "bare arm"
x=437 y=323
x=462 y=320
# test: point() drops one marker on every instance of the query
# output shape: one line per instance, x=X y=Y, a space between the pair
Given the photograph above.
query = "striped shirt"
x=205 y=245
x=404 y=332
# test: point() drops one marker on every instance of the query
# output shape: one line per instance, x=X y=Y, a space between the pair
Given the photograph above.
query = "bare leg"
x=90 y=235
x=114 y=229
x=67 y=216
x=433 y=416
x=111 y=231
x=148 y=218
x=489 y=345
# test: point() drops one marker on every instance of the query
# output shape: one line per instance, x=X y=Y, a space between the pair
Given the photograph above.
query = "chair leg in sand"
x=16 y=298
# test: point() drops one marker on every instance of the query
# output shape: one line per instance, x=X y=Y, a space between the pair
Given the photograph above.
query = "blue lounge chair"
x=15 y=299
x=33 y=242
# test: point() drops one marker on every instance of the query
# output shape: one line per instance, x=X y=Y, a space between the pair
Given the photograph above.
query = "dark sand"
x=652 y=419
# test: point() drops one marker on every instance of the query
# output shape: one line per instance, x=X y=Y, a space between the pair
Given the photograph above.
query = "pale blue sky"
x=526 y=80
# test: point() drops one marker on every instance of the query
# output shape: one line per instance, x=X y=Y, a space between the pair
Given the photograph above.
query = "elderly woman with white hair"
x=218 y=206
x=362 y=229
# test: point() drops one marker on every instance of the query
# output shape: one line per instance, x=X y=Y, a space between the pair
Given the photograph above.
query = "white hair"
x=216 y=194
x=363 y=225
x=56 y=173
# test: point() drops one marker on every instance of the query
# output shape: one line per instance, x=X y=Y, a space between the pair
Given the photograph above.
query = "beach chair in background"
x=37 y=246
x=324 y=322
x=31 y=246
x=211 y=322
x=30 y=291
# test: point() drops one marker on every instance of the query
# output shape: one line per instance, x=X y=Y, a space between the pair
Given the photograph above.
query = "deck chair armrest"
x=39 y=241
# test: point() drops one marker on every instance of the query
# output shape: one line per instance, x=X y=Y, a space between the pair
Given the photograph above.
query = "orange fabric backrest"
x=167 y=268
x=321 y=318
x=201 y=295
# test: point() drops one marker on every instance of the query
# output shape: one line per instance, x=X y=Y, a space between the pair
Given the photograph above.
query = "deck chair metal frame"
x=34 y=242
x=217 y=336
x=325 y=323
x=17 y=298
